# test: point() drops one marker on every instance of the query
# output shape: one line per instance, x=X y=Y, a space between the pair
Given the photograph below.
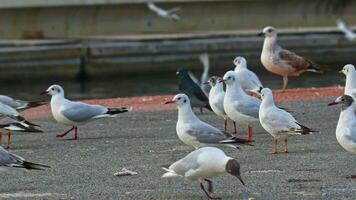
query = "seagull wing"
x=81 y=112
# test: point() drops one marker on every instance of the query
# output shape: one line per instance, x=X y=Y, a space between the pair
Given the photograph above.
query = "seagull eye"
x=179 y=98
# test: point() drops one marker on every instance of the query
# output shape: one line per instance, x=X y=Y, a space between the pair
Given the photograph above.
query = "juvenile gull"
x=202 y=164
x=281 y=61
x=349 y=34
x=75 y=114
x=8 y=159
x=278 y=122
x=248 y=79
x=240 y=107
x=196 y=133
x=350 y=73
x=204 y=59
x=167 y=14
x=346 y=126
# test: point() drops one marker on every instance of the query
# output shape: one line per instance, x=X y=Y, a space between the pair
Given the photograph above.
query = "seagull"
x=204 y=59
x=74 y=114
x=216 y=98
x=239 y=106
x=167 y=14
x=248 y=80
x=196 y=133
x=193 y=90
x=202 y=164
x=8 y=159
x=350 y=73
x=19 y=104
x=349 y=34
x=281 y=61
x=346 y=127
x=279 y=122
x=17 y=127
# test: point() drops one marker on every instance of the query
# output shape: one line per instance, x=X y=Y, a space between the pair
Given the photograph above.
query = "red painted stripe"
x=156 y=103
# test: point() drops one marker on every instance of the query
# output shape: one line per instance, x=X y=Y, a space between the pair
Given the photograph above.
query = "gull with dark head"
x=203 y=164
x=75 y=114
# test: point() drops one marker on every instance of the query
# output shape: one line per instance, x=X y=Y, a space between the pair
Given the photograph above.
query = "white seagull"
x=248 y=79
x=278 y=122
x=204 y=59
x=167 y=14
x=8 y=159
x=239 y=106
x=19 y=104
x=350 y=73
x=216 y=98
x=196 y=133
x=74 y=114
x=349 y=34
x=281 y=61
x=346 y=126
x=202 y=164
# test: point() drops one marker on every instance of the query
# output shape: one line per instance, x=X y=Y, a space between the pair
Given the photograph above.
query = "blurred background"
x=116 y=48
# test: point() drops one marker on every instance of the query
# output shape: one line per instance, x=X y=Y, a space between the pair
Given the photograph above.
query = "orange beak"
x=169 y=102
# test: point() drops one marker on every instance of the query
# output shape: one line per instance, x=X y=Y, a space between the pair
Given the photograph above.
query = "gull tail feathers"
x=115 y=111
x=236 y=140
x=304 y=130
x=169 y=173
x=32 y=166
x=317 y=68
x=22 y=127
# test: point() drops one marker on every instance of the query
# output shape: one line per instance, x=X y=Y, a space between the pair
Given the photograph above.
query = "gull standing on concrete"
x=202 y=164
x=8 y=159
x=248 y=80
x=216 y=98
x=204 y=59
x=281 y=61
x=346 y=126
x=75 y=114
x=167 y=14
x=187 y=86
x=19 y=104
x=196 y=133
x=349 y=34
x=350 y=73
x=239 y=106
x=279 y=122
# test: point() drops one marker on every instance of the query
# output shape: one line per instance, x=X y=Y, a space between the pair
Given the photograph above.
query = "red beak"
x=168 y=102
x=44 y=92
x=332 y=103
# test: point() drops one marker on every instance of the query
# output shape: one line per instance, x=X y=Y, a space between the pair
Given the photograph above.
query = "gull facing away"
x=247 y=78
x=204 y=59
x=202 y=164
x=350 y=73
x=196 y=95
x=239 y=106
x=8 y=159
x=279 y=122
x=75 y=114
x=346 y=126
x=281 y=61
x=20 y=104
x=349 y=34
x=216 y=98
x=167 y=14
x=196 y=133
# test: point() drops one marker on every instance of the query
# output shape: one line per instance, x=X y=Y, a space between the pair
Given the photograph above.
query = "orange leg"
x=275 y=146
x=249 y=134
x=286 y=143
x=8 y=139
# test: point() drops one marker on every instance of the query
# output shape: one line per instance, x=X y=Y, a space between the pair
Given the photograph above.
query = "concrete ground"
x=315 y=168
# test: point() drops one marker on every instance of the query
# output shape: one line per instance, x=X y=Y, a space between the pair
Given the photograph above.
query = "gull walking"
x=279 y=122
x=8 y=159
x=240 y=107
x=75 y=114
x=19 y=104
x=349 y=34
x=281 y=61
x=350 y=73
x=248 y=80
x=204 y=59
x=196 y=133
x=202 y=164
x=346 y=126
x=167 y=14
x=216 y=98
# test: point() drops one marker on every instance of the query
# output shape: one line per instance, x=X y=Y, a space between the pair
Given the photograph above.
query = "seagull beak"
x=341 y=72
x=333 y=103
x=221 y=80
x=260 y=34
x=239 y=177
x=44 y=92
x=169 y=102
x=206 y=83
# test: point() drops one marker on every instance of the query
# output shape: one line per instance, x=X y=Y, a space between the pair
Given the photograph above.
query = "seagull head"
x=233 y=167
x=269 y=31
x=179 y=100
x=240 y=62
x=266 y=93
x=229 y=78
x=54 y=90
x=347 y=69
x=213 y=81
x=345 y=100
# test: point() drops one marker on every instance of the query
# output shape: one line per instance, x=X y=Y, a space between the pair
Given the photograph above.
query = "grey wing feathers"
x=80 y=112
x=206 y=137
x=187 y=163
x=8 y=111
x=250 y=107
